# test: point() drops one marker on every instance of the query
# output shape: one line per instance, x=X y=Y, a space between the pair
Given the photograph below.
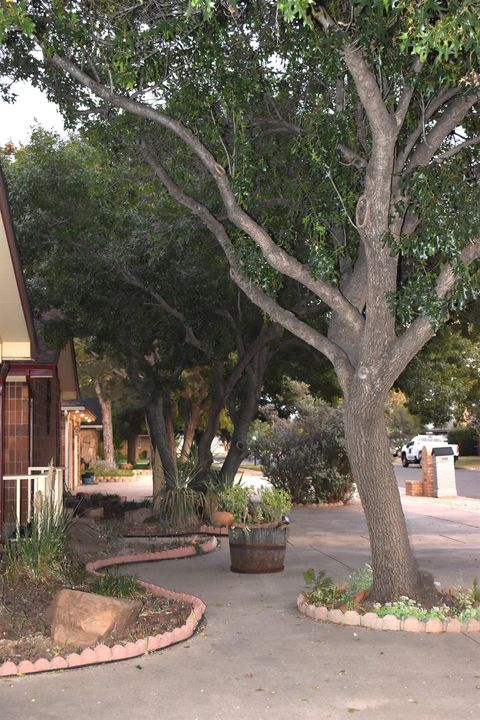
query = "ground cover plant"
x=456 y=603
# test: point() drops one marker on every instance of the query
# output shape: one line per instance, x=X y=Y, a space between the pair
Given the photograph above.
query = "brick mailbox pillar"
x=443 y=472
x=428 y=473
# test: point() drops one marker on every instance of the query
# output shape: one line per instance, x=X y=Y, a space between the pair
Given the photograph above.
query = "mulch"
x=25 y=622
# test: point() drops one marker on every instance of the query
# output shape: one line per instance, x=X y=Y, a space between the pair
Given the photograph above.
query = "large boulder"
x=82 y=619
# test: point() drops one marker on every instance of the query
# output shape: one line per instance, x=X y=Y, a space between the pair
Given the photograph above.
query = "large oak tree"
x=372 y=190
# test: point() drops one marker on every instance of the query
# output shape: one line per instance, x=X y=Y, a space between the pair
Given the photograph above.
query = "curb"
x=102 y=653
x=389 y=622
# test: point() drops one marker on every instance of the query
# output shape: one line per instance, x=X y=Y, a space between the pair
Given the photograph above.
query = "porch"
x=25 y=494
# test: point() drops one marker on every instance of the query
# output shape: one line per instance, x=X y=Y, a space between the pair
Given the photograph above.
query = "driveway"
x=257 y=657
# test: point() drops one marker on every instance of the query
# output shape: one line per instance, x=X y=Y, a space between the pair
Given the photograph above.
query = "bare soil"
x=25 y=610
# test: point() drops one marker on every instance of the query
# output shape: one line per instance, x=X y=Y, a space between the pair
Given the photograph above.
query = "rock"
x=95 y=513
x=82 y=619
x=138 y=516
x=85 y=538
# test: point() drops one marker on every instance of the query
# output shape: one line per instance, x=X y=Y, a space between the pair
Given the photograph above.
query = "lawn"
x=468 y=461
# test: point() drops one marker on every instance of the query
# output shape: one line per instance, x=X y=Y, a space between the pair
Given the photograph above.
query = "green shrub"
x=111 y=472
x=235 y=499
x=466 y=438
x=305 y=454
x=275 y=504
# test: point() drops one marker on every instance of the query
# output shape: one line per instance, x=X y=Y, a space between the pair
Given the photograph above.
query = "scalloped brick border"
x=102 y=653
x=211 y=530
x=389 y=622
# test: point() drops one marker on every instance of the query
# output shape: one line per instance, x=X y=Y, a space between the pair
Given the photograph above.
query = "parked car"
x=412 y=451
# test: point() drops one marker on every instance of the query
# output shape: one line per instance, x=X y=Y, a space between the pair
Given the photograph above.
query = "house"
x=39 y=409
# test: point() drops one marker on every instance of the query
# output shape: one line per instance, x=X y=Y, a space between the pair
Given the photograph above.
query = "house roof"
x=18 y=339
x=80 y=408
x=93 y=405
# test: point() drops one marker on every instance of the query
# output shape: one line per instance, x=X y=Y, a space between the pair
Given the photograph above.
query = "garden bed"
x=166 y=617
x=388 y=622
x=25 y=622
x=448 y=610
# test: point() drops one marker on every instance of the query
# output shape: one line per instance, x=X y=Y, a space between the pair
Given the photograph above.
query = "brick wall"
x=46 y=421
x=46 y=435
x=16 y=443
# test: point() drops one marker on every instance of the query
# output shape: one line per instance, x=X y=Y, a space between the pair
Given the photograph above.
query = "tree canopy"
x=332 y=152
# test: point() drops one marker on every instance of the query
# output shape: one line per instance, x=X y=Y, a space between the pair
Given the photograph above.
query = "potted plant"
x=223 y=500
x=258 y=535
x=88 y=474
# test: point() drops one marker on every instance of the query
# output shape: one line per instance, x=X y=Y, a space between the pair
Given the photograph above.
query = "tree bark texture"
x=106 y=405
x=158 y=435
x=191 y=424
x=170 y=428
x=238 y=450
x=132 y=448
x=395 y=569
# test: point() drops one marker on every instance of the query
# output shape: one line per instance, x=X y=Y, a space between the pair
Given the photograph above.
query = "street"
x=468 y=481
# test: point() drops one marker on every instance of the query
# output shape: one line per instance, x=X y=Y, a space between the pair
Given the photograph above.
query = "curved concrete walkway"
x=258 y=658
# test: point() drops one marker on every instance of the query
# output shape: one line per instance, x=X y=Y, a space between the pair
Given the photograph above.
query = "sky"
x=31 y=108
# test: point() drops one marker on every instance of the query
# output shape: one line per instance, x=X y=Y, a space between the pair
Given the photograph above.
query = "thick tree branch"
x=407 y=94
x=297 y=327
x=451 y=118
x=190 y=336
x=381 y=123
x=457 y=148
x=351 y=157
x=277 y=313
x=420 y=331
x=275 y=256
x=436 y=103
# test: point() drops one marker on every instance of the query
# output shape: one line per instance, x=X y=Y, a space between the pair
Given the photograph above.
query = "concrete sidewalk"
x=258 y=658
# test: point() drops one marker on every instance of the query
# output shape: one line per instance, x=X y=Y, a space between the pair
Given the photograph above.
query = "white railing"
x=44 y=485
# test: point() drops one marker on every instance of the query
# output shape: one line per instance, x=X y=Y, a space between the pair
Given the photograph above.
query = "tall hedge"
x=467 y=439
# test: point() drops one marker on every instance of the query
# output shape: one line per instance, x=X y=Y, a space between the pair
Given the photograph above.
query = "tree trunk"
x=159 y=483
x=238 y=450
x=132 y=448
x=106 y=405
x=170 y=428
x=205 y=457
x=191 y=424
x=158 y=436
x=395 y=569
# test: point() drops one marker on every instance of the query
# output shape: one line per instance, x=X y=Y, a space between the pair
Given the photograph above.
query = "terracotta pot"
x=221 y=518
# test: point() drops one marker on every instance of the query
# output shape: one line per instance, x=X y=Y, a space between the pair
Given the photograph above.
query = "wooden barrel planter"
x=257 y=549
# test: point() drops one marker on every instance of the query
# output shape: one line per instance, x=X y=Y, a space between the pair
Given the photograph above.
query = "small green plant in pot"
x=258 y=537
x=221 y=498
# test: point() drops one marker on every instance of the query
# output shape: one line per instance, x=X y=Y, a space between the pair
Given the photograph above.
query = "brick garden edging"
x=102 y=653
x=389 y=622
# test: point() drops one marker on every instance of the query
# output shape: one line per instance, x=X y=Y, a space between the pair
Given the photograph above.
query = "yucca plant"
x=181 y=503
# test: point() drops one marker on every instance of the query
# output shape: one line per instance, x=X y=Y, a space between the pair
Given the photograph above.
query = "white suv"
x=412 y=451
